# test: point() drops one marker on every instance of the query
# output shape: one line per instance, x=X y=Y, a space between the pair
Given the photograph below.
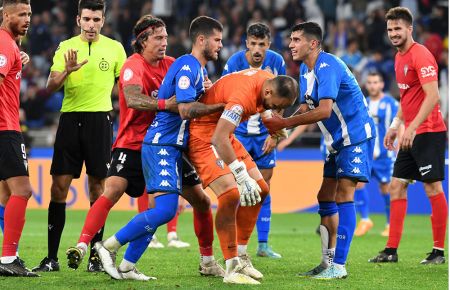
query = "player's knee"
x=264 y=188
x=166 y=207
x=59 y=192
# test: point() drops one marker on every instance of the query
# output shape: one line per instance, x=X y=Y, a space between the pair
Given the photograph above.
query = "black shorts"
x=82 y=137
x=127 y=163
x=425 y=161
x=190 y=176
x=13 y=157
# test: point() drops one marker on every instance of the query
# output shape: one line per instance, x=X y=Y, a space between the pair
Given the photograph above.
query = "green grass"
x=292 y=235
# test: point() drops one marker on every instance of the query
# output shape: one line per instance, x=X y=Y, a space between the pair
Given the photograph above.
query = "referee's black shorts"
x=13 y=157
x=425 y=161
x=82 y=137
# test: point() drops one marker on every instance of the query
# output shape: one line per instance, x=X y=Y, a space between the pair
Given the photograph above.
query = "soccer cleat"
x=332 y=272
x=434 y=258
x=315 y=271
x=108 y=260
x=74 y=257
x=16 y=269
x=264 y=250
x=211 y=268
x=47 y=265
x=235 y=275
x=363 y=227
x=176 y=243
x=383 y=257
x=248 y=268
x=385 y=232
x=134 y=274
x=94 y=264
x=155 y=244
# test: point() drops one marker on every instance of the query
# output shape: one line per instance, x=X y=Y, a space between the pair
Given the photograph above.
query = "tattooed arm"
x=196 y=109
x=137 y=100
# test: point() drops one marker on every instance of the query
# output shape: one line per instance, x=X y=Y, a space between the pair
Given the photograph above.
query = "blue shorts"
x=162 y=167
x=354 y=161
x=382 y=169
x=254 y=144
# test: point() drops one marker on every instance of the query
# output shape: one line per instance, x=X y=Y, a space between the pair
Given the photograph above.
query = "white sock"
x=126 y=266
x=83 y=247
x=172 y=236
x=8 y=259
x=339 y=266
x=328 y=256
x=230 y=262
x=112 y=244
x=242 y=250
x=206 y=259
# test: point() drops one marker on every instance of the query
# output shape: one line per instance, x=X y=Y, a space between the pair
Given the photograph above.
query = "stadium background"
x=354 y=30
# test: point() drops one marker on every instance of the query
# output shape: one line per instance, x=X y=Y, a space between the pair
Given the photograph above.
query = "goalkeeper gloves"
x=248 y=188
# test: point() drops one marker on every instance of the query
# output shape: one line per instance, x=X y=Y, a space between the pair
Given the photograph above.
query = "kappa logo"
x=164 y=173
x=428 y=71
x=225 y=67
x=163 y=152
x=272 y=162
x=164 y=183
x=340 y=170
x=163 y=162
x=148 y=228
x=186 y=67
x=323 y=64
x=119 y=167
x=356 y=160
x=357 y=150
x=356 y=170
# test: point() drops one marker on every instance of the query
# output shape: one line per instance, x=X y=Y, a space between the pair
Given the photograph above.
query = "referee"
x=85 y=128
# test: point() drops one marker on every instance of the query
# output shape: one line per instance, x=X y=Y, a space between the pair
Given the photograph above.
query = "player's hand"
x=71 y=60
x=207 y=83
x=407 y=139
x=249 y=189
x=269 y=144
x=24 y=58
x=283 y=144
x=275 y=123
x=389 y=139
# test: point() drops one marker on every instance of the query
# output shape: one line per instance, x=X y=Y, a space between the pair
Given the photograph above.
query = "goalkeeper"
x=222 y=161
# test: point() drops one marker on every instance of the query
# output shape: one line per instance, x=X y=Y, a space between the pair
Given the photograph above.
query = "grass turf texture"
x=292 y=235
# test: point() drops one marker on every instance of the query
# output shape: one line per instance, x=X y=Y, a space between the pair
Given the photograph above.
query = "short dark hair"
x=258 y=30
x=398 y=13
x=376 y=73
x=203 y=25
x=310 y=29
x=286 y=87
x=143 y=29
x=15 y=2
x=93 y=5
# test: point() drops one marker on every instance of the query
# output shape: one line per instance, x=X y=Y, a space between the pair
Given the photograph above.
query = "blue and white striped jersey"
x=350 y=122
x=274 y=63
x=382 y=112
x=184 y=79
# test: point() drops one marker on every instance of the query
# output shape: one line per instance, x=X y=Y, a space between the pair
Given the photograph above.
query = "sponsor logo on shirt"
x=127 y=74
x=428 y=71
x=425 y=169
x=3 y=60
x=103 y=65
x=184 y=82
x=403 y=86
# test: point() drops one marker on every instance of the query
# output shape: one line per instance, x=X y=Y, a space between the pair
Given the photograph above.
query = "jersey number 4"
x=122 y=157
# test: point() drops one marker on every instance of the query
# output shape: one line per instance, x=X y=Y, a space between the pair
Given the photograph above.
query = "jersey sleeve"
x=59 y=63
x=131 y=74
x=328 y=78
x=7 y=58
x=229 y=67
x=425 y=65
x=185 y=85
x=121 y=57
x=282 y=67
x=302 y=85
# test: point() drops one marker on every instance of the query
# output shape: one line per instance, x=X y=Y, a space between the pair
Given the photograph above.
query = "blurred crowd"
x=355 y=30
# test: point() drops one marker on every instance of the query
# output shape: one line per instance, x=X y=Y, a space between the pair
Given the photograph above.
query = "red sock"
x=398 y=213
x=204 y=230
x=172 y=225
x=95 y=219
x=226 y=222
x=142 y=202
x=14 y=222
x=439 y=213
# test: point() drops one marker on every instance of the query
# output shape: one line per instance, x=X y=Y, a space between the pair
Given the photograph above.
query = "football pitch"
x=292 y=235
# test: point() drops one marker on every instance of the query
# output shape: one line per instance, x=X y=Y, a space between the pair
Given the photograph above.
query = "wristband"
x=161 y=105
x=395 y=123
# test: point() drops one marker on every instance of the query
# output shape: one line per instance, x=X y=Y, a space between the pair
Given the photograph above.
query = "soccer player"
x=382 y=108
x=252 y=133
x=422 y=146
x=227 y=168
x=331 y=97
x=85 y=129
x=14 y=170
x=162 y=156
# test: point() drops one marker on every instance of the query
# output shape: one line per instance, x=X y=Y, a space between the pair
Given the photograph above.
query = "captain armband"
x=233 y=114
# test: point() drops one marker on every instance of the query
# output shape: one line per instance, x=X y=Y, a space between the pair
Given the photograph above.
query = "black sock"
x=438 y=252
x=97 y=238
x=390 y=251
x=56 y=221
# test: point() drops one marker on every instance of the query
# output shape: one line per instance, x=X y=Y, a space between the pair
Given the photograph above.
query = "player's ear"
x=78 y=21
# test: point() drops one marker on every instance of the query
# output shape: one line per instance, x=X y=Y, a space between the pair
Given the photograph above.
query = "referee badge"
x=103 y=65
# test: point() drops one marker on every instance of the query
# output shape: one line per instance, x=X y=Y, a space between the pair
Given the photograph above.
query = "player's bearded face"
x=398 y=32
x=374 y=85
x=18 y=17
x=156 y=43
x=257 y=48
x=213 y=44
x=90 y=22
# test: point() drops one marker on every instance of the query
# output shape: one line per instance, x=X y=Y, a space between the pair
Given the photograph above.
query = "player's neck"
x=7 y=29
x=311 y=59
x=404 y=48
x=150 y=60
x=199 y=56
x=376 y=97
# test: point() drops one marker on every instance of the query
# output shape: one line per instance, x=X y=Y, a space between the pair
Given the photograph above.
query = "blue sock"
x=346 y=228
x=148 y=221
x=387 y=206
x=137 y=248
x=263 y=222
x=362 y=202
x=2 y=218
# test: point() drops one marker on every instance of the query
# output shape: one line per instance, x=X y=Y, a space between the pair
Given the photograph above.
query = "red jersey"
x=11 y=71
x=133 y=124
x=414 y=68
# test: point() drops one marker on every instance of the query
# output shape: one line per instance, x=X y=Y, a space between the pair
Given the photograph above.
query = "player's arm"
x=197 y=109
x=56 y=79
x=292 y=136
x=137 y=100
